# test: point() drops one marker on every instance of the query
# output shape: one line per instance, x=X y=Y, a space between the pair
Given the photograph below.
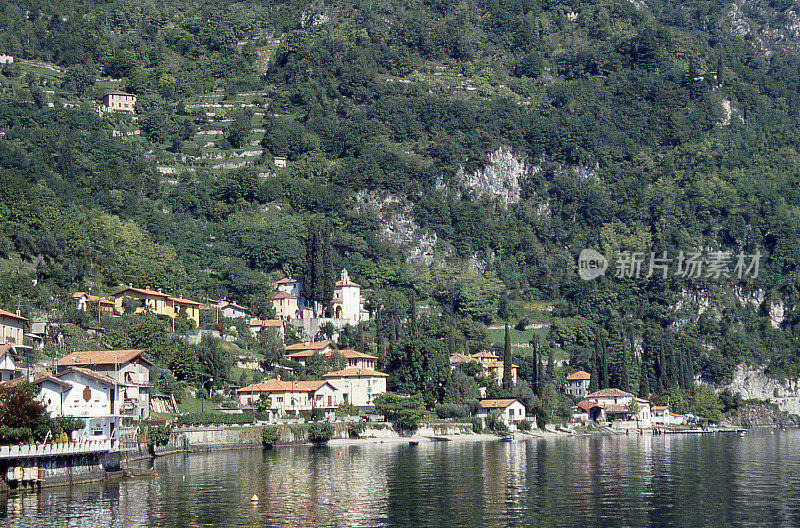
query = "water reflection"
x=593 y=482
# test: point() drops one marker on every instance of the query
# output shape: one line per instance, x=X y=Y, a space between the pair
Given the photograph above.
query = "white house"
x=6 y=58
x=81 y=393
x=358 y=386
x=290 y=397
x=347 y=301
x=8 y=366
x=232 y=310
x=129 y=368
x=118 y=102
x=83 y=300
x=613 y=404
x=511 y=410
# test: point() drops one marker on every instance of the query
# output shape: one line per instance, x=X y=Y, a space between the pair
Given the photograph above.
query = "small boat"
x=413 y=442
x=742 y=433
x=507 y=438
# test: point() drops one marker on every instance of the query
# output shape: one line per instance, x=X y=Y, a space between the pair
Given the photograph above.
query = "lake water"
x=681 y=481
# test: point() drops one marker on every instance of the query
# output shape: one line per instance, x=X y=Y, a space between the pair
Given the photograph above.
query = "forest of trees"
x=635 y=98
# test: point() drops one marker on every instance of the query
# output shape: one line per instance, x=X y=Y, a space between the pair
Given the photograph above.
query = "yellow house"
x=157 y=302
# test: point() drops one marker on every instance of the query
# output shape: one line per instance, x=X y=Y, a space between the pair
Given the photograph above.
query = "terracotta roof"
x=15 y=316
x=460 y=358
x=497 y=403
x=615 y=408
x=485 y=355
x=352 y=372
x=143 y=291
x=273 y=385
x=675 y=414
x=579 y=376
x=282 y=295
x=354 y=354
x=181 y=300
x=121 y=93
x=102 y=357
x=586 y=405
x=660 y=407
x=92 y=298
x=610 y=393
x=288 y=280
x=340 y=283
x=313 y=345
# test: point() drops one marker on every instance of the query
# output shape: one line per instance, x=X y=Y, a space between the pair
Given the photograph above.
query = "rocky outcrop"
x=761 y=415
x=500 y=177
x=752 y=384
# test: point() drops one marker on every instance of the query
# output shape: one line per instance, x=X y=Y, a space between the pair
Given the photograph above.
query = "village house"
x=609 y=405
x=12 y=328
x=286 y=306
x=157 y=302
x=6 y=58
x=511 y=409
x=290 y=397
x=118 y=102
x=232 y=310
x=129 y=368
x=358 y=386
x=577 y=384
x=257 y=325
x=83 y=300
x=663 y=416
x=300 y=352
x=494 y=365
x=8 y=363
x=279 y=162
x=81 y=393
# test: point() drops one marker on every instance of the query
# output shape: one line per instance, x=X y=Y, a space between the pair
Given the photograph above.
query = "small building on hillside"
x=129 y=368
x=347 y=302
x=83 y=300
x=609 y=405
x=300 y=352
x=511 y=409
x=358 y=386
x=290 y=397
x=494 y=365
x=157 y=302
x=6 y=58
x=577 y=384
x=12 y=328
x=8 y=363
x=286 y=306
x=118 y=102
x=257 y=325
x=232 y=310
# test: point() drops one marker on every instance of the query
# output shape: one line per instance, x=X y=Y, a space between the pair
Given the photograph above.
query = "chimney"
x=278 y=377
x=19 y=313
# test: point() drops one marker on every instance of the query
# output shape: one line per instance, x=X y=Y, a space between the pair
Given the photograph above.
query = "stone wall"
x=60 y=470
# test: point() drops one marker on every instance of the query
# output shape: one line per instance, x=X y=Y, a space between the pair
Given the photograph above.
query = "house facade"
x=290 y=397
x=577 y=384
x=12 y=328
x=358 y=386
x=8 y=363
x=128 y=368
x=494 y=366
x=286 y=306
x=613 y=404
x=118 y=102
x=511 y=409
x=347 y=302
x=157 y=302
x=232 y=310
x=83 y=300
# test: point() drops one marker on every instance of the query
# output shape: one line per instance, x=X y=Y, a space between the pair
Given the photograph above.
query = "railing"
x=70 y=448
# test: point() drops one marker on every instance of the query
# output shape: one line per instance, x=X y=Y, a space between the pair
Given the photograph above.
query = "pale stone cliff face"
x=752 y=383
x=501 y=177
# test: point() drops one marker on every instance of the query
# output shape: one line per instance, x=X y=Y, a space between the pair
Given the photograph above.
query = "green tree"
x=508 y=380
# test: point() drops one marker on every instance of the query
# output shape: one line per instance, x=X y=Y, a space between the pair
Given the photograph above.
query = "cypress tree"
x=508 y=380
x=605 y=366
x=328 y=282
x=536 y=361
x=625 y=382
x=644 y=380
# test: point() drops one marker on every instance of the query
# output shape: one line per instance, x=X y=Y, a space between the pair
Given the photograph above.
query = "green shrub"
x=158 y=436
x=218 y=418
x=524 y=425
x=356 y=429
x=541 y=416
x=452 y=410
x=320 y=432
x=494 y=423
x=477 y=426
x=270 y=435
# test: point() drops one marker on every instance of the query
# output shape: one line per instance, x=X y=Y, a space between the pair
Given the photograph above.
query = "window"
x=279 y=399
